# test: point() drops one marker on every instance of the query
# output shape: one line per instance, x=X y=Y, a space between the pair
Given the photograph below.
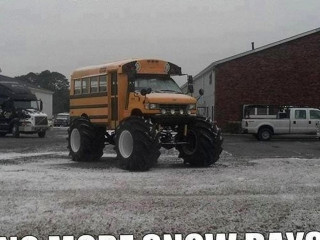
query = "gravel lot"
x=255 y=186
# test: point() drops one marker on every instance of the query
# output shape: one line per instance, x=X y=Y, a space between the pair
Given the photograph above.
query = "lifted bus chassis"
x=197 y=139
x=167 y=128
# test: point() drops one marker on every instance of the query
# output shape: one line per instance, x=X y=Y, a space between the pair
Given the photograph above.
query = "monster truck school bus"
x=143 y=109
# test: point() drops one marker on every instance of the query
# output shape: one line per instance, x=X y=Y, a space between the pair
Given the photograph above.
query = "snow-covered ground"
x=42 y=192
x=14 y=155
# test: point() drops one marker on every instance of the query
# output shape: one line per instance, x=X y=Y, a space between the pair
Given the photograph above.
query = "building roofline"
x=212 y=65
x=40 y=89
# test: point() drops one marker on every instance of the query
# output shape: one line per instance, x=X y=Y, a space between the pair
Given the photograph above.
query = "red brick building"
x=282 y=73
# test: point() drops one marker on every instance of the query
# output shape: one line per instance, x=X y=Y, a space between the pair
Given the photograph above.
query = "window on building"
x=85 y=85
x=93 y=84
x=300 y=114
x=314 y=114
x=77 y=86
x=103 y=83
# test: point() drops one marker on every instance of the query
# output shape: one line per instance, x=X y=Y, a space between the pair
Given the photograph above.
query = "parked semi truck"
x=138 y=107
x=265 y=121
x=20 y=111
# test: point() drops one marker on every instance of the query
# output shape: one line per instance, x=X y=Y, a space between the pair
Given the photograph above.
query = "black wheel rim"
x=265 y=135
x=191 y=147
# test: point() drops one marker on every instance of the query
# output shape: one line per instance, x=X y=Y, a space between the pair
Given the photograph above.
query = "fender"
x=266 y=124
x=254 y=126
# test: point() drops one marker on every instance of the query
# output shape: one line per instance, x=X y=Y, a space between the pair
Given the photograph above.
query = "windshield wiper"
x=169 y=90
x=153 y=91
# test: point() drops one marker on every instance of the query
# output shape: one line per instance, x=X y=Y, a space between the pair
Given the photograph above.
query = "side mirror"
x=8 y=105
x=190 y=89
x=201 y=92
x=190 y=84
x=190 y=79
x=149 y=90
x=144 y=91
x=41 y=105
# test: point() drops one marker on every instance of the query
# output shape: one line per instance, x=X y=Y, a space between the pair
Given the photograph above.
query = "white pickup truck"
x=289 y=121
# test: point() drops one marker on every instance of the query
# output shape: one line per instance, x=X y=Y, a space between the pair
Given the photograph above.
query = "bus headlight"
x=192 y=107
x=151 y=106
x=163 y=111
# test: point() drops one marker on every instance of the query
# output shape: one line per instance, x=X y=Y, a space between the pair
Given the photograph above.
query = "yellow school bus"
x=137 y=106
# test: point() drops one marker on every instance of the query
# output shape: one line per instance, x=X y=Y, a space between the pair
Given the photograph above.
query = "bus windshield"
x=157 y=84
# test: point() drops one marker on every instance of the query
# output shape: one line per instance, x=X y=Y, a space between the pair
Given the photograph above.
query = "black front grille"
x=176 y=107
x=41 y=121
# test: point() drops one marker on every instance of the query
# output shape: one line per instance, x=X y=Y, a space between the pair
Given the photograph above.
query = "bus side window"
x=77 y=87
x=93 y=84
x=103 y=83
x=85 y=85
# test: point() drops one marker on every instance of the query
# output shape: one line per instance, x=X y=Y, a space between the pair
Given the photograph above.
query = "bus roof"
x=103 y=68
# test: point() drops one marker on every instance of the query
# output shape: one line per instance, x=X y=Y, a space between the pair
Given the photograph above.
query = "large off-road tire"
x=264 y=134
x=85 y=141
x=204 y=143
x=137 y=144
x=15 y=130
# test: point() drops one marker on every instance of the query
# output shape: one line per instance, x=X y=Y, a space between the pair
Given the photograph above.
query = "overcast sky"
x=61 y=35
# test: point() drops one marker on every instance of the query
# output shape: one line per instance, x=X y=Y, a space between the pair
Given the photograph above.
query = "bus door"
x=114 y=99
